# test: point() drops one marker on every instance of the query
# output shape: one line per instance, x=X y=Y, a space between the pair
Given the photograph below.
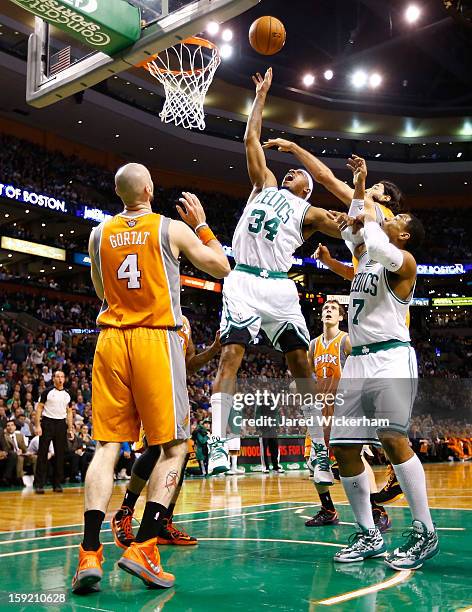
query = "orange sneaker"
x=122 y=528
x=89 y=571
x=142 y=560
x=169 y=534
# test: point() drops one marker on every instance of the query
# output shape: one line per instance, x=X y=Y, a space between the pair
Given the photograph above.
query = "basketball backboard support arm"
x=43 y=90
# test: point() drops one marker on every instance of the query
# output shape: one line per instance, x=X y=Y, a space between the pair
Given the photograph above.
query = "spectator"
x=16 y=444
x=7 y=463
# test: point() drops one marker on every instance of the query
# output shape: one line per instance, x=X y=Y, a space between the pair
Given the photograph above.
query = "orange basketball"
x=267 y=35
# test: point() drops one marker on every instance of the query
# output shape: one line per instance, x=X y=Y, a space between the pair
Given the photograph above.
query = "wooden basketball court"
x=254 y=551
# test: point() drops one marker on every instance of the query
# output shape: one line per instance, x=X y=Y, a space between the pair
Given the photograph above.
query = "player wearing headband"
x=258 y=294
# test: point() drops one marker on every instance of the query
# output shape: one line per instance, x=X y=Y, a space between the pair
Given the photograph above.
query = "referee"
x=55 y=409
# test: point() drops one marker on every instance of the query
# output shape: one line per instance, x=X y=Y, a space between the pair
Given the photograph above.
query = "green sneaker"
x=420 y=546
x=218 y=460
x=362 y=545
x=322 y=474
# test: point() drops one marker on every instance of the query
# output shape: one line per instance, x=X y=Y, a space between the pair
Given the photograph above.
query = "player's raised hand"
x=191 y=210
x=216 y=346
x=358 y=167
x=280 y=144
x=322 y=253
x=262 y=83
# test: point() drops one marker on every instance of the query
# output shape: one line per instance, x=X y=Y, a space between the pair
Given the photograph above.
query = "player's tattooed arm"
x=259 y=174
x=318 y=170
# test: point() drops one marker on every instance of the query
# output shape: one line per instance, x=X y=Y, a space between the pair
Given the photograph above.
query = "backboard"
x=59 y=67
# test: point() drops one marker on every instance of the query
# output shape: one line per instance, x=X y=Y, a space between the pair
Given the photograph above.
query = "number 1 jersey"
x=140 y=275
x=270 y=230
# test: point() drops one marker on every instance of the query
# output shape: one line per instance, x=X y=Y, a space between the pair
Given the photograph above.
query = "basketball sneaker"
x=89 y=571
x=322 y=474
x=381 y=519
x=391 y=491
x=121 y=527
x=323 y=518
x=169 y=534
x=362 y=545
x=420 y=546
x=218 y=460
x=142 y=560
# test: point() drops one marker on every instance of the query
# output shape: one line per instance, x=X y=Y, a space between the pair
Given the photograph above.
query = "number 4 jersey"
x=270 y=230
x=139 y=272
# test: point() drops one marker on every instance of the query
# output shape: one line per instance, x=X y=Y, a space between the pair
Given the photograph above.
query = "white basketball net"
x=185 y=86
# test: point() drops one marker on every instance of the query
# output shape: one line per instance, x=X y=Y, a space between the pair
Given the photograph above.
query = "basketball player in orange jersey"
x=326 y=355
x=121 y=523
x=139 y=368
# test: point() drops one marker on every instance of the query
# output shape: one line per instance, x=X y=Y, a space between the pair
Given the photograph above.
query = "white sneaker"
x=323 y=477
x=218 y=461
x=265 y=471
x=362 y=545
x=322 y=474
x=280 y=470
x=122 y=475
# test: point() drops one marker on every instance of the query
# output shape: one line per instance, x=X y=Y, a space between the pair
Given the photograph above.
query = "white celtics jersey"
x=376 y=314
x=270 y=230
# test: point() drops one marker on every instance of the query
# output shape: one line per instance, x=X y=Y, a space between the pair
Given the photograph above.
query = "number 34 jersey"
x=140 y=275
x=270 y=230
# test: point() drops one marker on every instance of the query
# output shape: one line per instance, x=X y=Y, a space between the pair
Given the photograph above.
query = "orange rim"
x=193 y=40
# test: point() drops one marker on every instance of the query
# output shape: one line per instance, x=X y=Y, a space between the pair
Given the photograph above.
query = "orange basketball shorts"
x=139 y=376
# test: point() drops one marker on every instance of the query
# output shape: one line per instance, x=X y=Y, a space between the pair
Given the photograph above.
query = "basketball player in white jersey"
x=379 y=381
x=258 y=293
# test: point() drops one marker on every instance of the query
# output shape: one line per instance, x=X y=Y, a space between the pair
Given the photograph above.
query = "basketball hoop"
x=186 y=71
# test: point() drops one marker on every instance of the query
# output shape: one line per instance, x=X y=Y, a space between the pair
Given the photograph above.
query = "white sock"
x=221 y=404
x=357 y=489
x=370 y=474
x=412 y=480
x=234 y=462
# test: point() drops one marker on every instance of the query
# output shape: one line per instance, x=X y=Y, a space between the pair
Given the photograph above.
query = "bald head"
x=133 y=184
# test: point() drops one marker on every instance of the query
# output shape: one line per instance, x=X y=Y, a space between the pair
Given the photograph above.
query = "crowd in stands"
x=28 y=359
x=78 y=182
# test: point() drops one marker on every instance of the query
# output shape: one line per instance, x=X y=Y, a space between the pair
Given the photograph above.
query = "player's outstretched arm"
x=259 y=174
x=94 y=273
x=318 y=170
x=200 y=246
x=319 y=220
x=322 y=254
x=194 y=361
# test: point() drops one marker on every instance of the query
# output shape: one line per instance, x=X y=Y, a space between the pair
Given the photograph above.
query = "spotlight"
x=412 y=13
x=308 y=80
x=375 y=80
x=328 y=75
x=213 y=28
x=226 y=51
x=359 y=79
x=227 y=35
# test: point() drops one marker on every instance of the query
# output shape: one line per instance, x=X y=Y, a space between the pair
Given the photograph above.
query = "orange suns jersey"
x=184 y=333
x=140 y=275
x=328 y=358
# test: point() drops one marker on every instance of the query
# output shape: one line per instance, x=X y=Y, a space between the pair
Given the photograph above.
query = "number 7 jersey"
x=140 y=275
x=270 y=230
x=375 y=314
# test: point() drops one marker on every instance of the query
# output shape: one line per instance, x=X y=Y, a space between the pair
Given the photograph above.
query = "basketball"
x=267 y=35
